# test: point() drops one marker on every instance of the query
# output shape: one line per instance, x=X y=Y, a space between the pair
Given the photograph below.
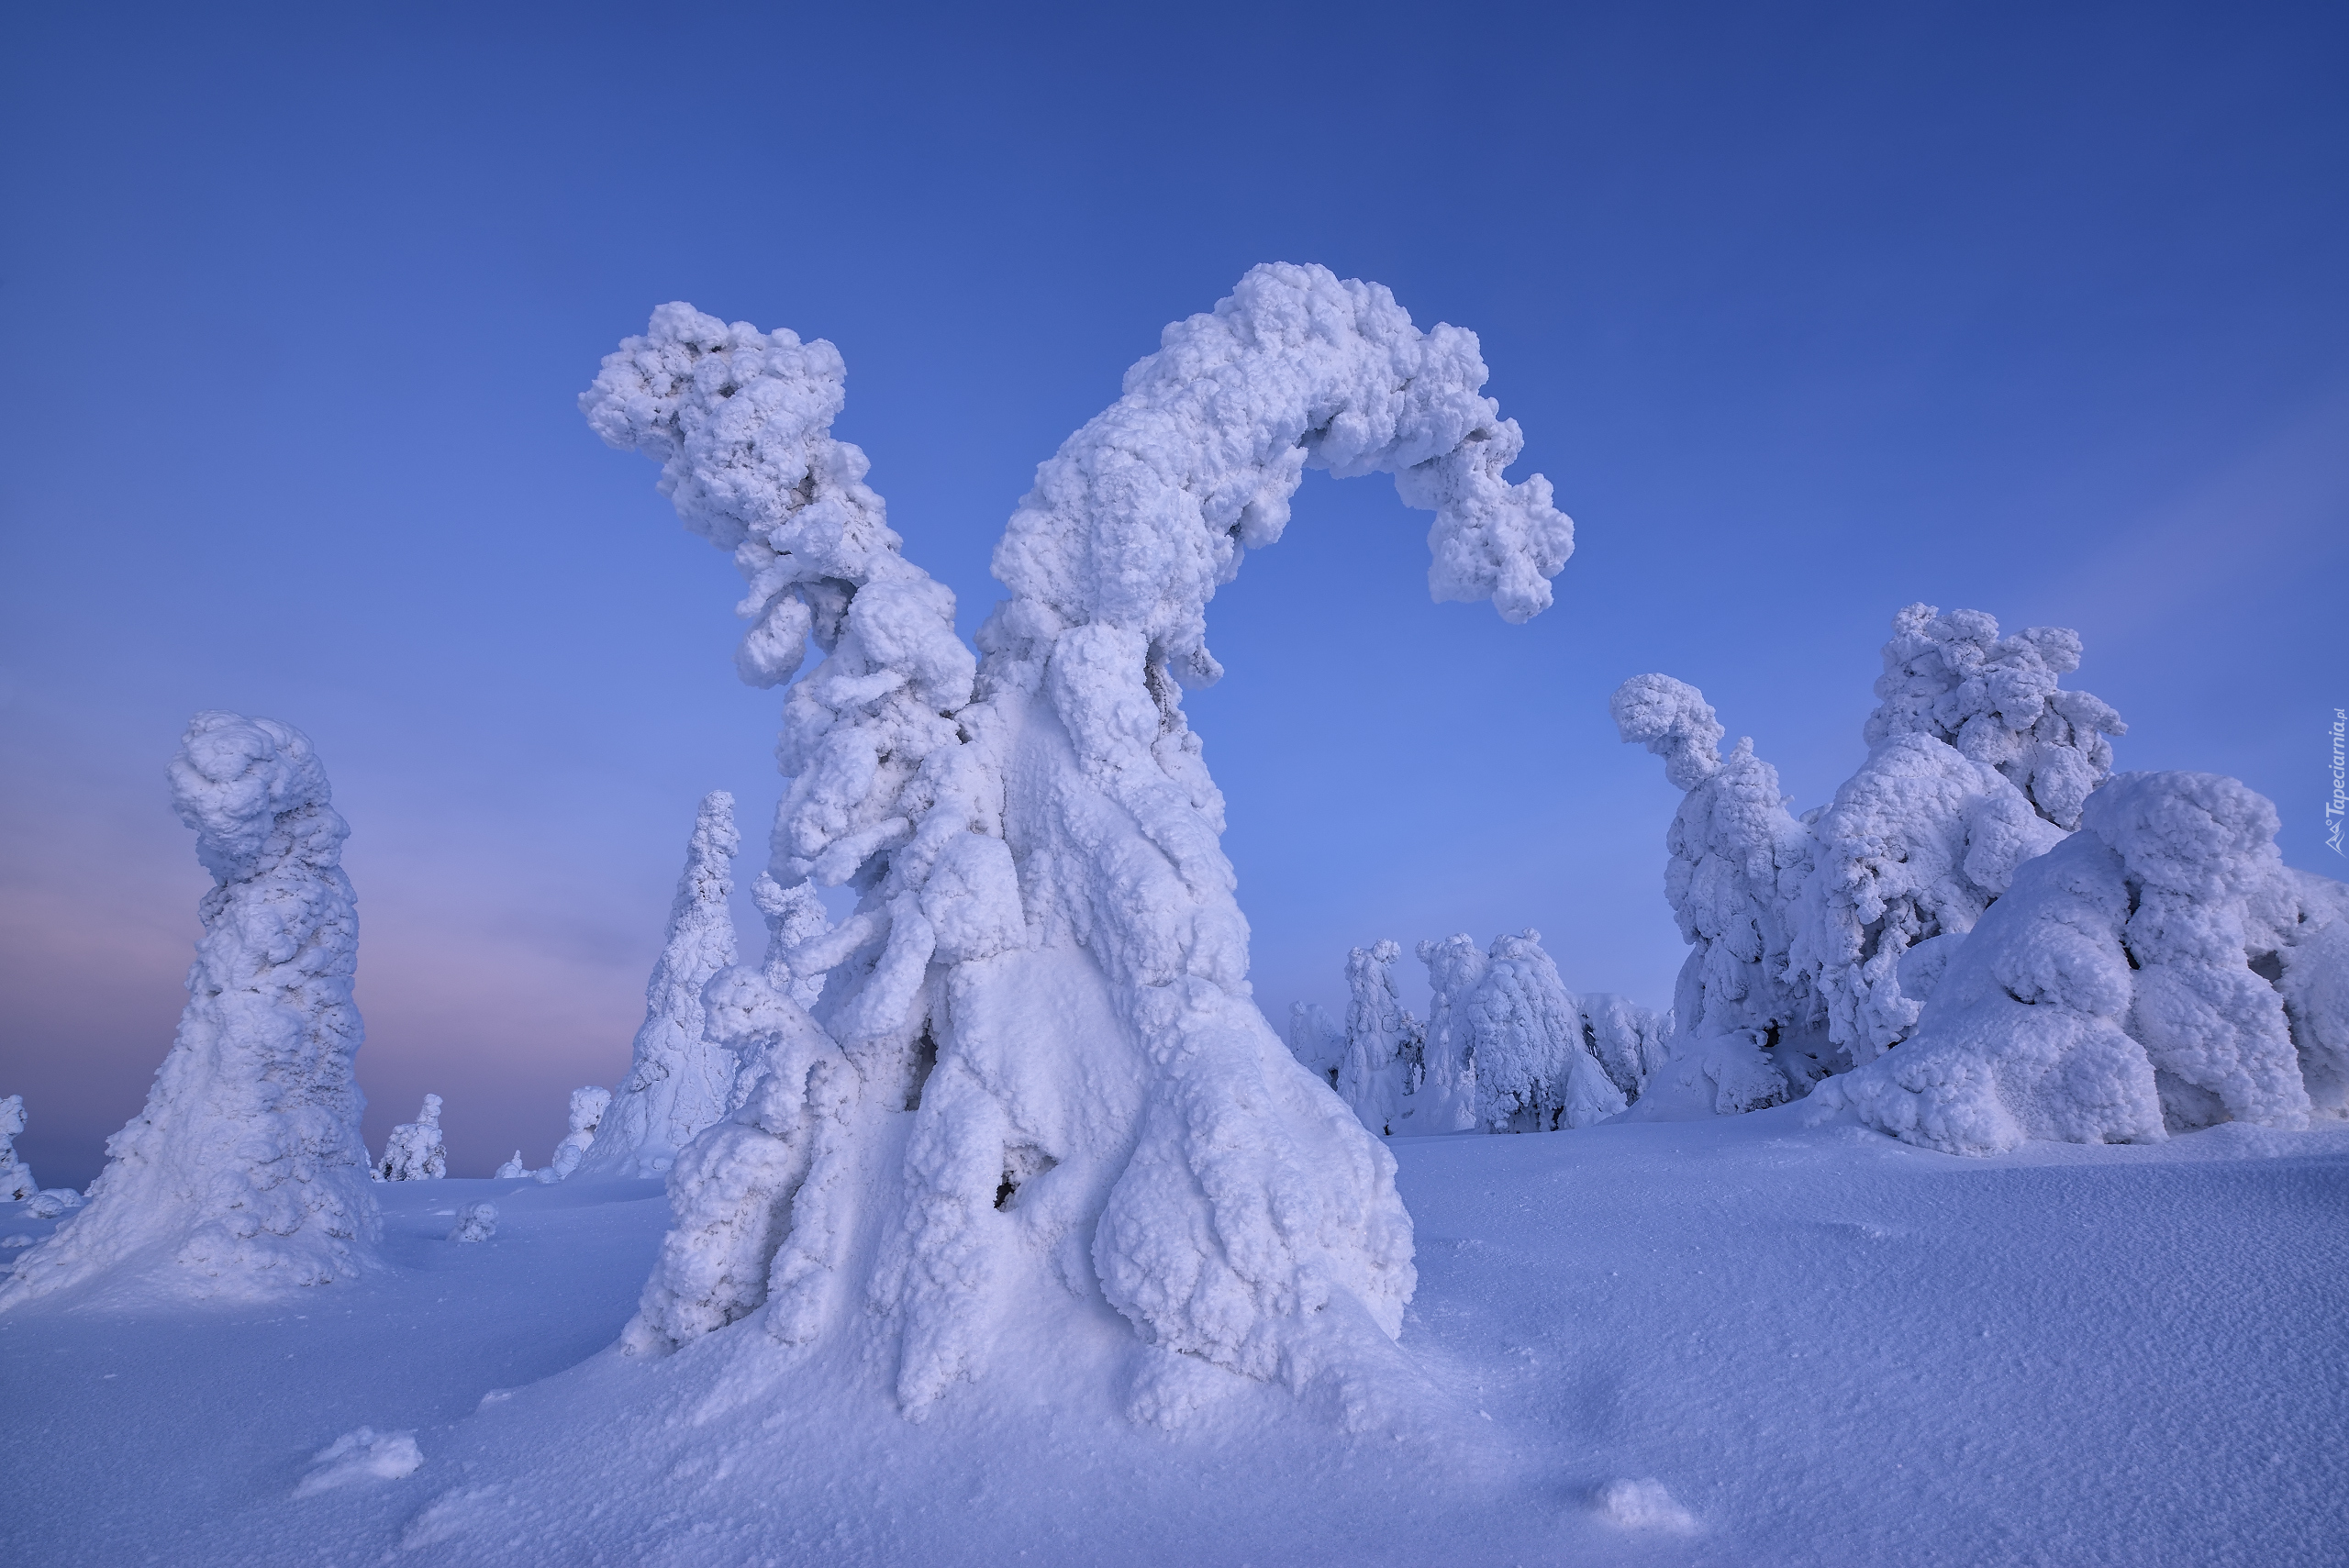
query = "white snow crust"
x=1039 y=1068
x=414 y=1151
x=680 y=1080
x=245 y=1170
x=362 y=1455
x=2116 y=994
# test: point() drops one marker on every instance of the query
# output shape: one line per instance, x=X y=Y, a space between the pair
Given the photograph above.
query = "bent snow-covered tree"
x=1046 y=967
x=246 y=1169
x=586 y=1114
x=679 y=1079
x=2137 y=980
x=414 y=1151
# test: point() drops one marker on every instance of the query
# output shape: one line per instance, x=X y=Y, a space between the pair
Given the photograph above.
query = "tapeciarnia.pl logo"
x=2338 y=806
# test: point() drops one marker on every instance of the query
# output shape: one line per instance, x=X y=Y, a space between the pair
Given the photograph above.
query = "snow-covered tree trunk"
x=1046 y=968
x=245 y=1170
x=2124 y=988
x=17 y=1181
x=679 y=1080
x=414 y=1151
x=588 y=1107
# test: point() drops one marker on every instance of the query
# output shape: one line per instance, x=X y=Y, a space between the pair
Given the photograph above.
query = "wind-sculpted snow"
x=2123 y=988
x=586 y=1115
x=17 y=1181
x=1046 y=970
x=245 y=1170
x=414 y=1151
x=679 y=1079
x=1995 y=699
x=1815 y=941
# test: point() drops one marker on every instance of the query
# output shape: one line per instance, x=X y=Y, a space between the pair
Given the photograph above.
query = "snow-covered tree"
x=2125 y=987
x=752 y=1011
x=513 y=1169
x=414 y=1151
x=1045 y=911
x=588 y=1107
x=1525 y=1039
x=17 y=1181
x=1316 y=1040
x=1995 y=699
x=475 y=1222
x=1628 y=1041
x=1384 y=1043
x=245 y=1170
x=679 y=1080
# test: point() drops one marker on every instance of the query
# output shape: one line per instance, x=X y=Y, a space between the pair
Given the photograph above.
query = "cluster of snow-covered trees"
x=2054 y=951
x=1507 y=1047
x=1028 y=1065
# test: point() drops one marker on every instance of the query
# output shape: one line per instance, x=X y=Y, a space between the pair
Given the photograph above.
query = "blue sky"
x=1807 y=312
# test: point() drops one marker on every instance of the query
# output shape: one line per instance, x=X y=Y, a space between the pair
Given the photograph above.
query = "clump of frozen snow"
x=16 y=1177
x=513 y=1169
x=51 y=1202
x=245 y=1169
x=588 y=1107
x=364 y=1454
x=679 y=1080
x=1642 y=1505
x=475 y=1222
x=1996 y=700
x=414 y=1151
x=1046 y=967
x=2124 y=988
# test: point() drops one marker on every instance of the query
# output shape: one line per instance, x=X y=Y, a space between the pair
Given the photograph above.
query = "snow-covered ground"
x=1796 y=1344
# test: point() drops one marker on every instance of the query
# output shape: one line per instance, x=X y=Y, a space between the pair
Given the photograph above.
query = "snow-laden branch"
x=246 y=1169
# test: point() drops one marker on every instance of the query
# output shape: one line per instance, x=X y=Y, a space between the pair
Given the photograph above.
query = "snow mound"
x=362 y=1455
x=1642 y=1505
x=475 y=1222
x=51 y=1202
x=1038 y=1066
x=2124 y=988
x=679 y=1080
x=414 y=1151
x=245 y=1169
x=16 y=1177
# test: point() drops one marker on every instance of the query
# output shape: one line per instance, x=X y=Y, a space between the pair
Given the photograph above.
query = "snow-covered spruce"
x=1814 y=941
x=513 y=1169
x=679 y=1080
x=1046 y=965
x=17 y=1181
x=2125 y=986
x=245 y=1170
x=588 y=1107
x=414 y=1151
x=1384 y=1043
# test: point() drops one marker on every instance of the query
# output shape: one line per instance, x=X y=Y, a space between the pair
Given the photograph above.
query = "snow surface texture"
x=414 y=1151
x=475 y=1222
x=1046 y=966
x=245 y=1171
x=679 y=1079
x=2125 y=987
x=17 y=1181
x=1814 y=942
x=588 y=1107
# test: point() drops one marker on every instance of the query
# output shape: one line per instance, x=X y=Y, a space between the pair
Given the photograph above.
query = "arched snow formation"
x=1035 y=1064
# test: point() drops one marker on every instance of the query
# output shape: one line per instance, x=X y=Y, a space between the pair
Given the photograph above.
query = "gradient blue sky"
x=1807 y=313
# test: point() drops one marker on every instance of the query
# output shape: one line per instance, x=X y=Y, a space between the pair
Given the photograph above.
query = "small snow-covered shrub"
x=588 y=1107
x=414 y=1151
x=513 y=1169
x=1046 y=967
x=16 y=1177
x=475 y=1222
x=679 y=1080
x=245 y=1169
x=2125 y=988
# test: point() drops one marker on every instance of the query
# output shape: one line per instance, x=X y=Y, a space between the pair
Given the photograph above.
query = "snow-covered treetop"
x=1671 y=720
x=1996 y=700
x=741 y=422
x=256 y=794
x=1146 y=510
